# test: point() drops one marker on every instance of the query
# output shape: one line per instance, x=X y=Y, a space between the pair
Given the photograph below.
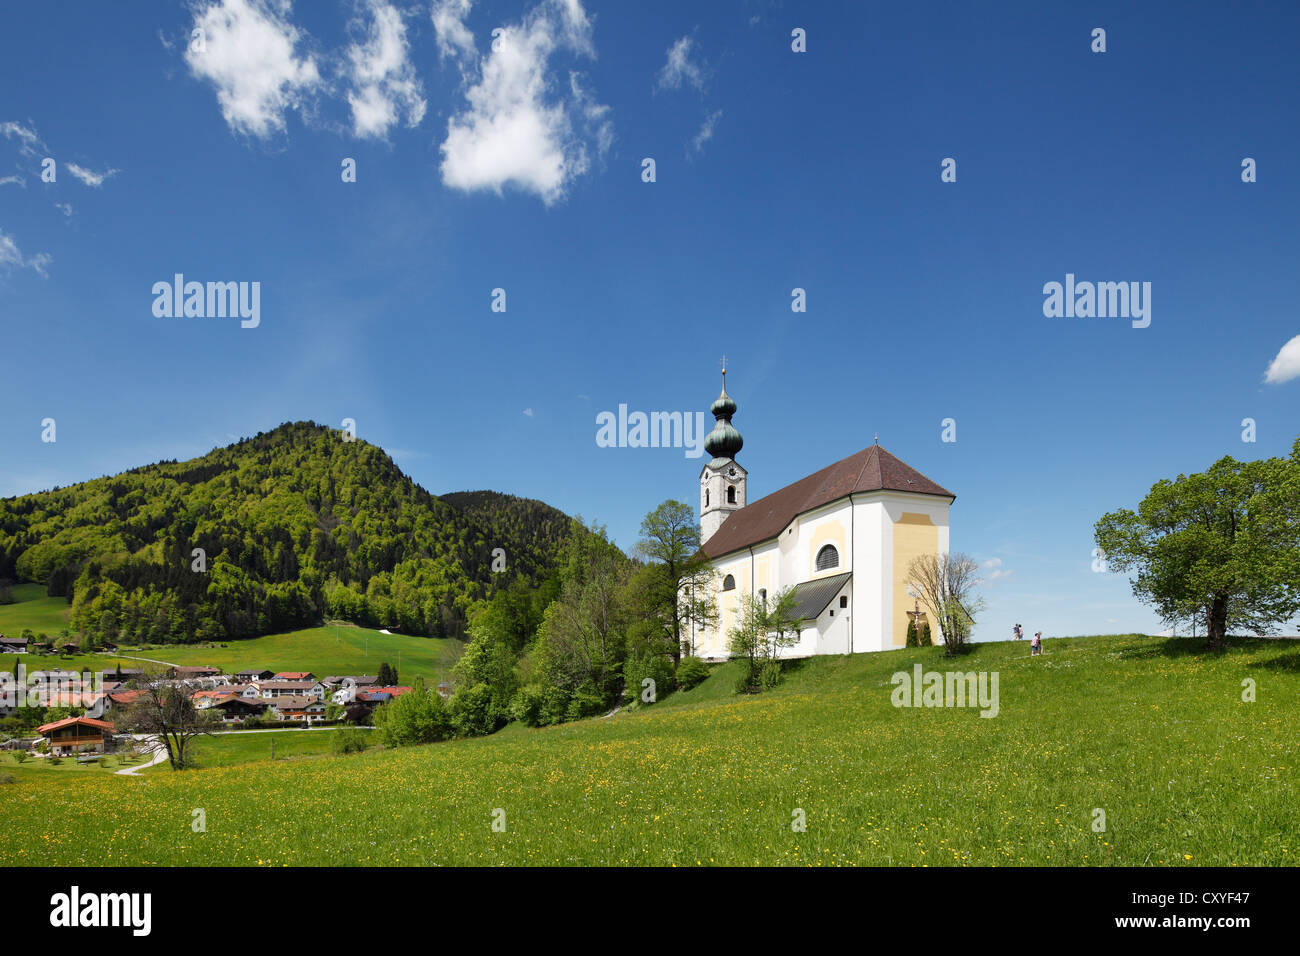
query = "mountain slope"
x=293 y=525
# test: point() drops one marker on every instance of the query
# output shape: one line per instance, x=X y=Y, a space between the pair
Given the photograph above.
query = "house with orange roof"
x=78 y=735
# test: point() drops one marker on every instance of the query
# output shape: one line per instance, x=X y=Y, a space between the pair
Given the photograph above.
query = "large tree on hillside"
x=1224 y=543
x=167 y=713
x=677 y=592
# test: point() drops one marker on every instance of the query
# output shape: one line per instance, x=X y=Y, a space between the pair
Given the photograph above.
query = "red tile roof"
x=69 y=721
x=872 y=469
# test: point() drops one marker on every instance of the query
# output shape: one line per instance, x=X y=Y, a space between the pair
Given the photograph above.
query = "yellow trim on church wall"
x=832 y=532
x=914 y=534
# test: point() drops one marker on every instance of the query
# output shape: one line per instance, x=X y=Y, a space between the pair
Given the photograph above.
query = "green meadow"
x=44 y=615
x=332 y=649
x=1152 y=733
x=341 y=649
x=233 y=749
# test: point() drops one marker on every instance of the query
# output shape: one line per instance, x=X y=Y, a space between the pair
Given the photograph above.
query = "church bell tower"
x=722 y=481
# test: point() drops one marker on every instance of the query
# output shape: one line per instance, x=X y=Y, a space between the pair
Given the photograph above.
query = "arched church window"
x=762 y=596
x=731 y=494
x=729 y=583
x=706 y=497
x=828 y=558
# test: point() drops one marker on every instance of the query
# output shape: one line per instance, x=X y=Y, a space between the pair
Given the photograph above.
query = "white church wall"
x=867 y=597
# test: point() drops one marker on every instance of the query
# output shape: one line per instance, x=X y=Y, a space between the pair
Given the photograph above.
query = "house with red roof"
x=78 y=735
x=841 y=538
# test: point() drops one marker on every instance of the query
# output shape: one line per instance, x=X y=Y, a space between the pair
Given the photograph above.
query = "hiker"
x=1016 y=632
x=1036 y=646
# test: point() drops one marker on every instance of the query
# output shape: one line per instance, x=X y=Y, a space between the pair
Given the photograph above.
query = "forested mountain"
x=295 y=524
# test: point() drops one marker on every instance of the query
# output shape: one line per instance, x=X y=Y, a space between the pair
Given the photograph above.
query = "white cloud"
x=64 y=207
x=518 y=130
x=706 y=131
x=29 y=144
x=11 y=256
x=454 y=39
x=994 y=571
x=7 y=180
x=250 y=59
x=89 y=176
x=384 y=84
x=680 y=68
x=1286 y=364
x=528 y=412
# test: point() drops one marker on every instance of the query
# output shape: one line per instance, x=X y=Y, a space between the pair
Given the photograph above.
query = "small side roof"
x=811 y=597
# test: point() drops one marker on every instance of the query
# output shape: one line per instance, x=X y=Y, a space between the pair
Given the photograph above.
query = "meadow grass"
x=1154 y=732
x=341 y=649
x=229 y=750
x=47 y=615
x=333 y=649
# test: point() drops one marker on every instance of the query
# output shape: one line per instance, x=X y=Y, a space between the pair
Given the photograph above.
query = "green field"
x=48 y=615
x=229 y=750
x=1151 y=731
x=344 y=649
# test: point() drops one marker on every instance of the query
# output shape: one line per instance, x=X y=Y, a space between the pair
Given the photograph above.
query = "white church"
x=842 y=537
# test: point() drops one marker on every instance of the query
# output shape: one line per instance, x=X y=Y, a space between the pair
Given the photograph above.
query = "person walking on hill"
x=1036 y=645
x=1016 y=632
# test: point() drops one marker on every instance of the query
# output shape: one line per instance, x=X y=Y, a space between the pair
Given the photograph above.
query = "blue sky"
x=521 y=169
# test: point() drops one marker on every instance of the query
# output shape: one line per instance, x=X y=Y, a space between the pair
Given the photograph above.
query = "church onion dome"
x=724 y=441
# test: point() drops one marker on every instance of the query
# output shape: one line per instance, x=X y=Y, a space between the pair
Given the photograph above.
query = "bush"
x=6 y=778
x=350 y=741
x=926 y=641
x=20 y=756
x=912 y=639
x=585 y=702
x=691 y=672
x=417 y=717
x=655 y=667
x=55 y=761
x=528 y=706
x=745 y=682
x=472 y=712
x=769 y=675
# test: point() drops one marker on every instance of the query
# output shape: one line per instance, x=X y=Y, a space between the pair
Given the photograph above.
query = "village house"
x=78 y=735
x=249 y=677
x=183 y=672
x=292 y=688
x=13 y=645
x=235 y=709
x=298 y=708
x=390 y=691
x=351 y=686
x=294 y=675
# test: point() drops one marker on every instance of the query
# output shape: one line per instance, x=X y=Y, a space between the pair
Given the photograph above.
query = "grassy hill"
x=270 y=534
x=342 y=649
x=33 y=609
x=333 y=649
x=1149 y=730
